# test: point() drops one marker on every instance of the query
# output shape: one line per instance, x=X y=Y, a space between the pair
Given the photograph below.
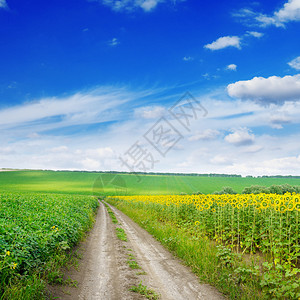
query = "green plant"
x=145 y=291
x=121 y=234
x=37 y=232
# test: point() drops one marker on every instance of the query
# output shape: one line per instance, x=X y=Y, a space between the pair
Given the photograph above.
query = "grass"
x=121 y=234
x=217 y=266
x=133 y=264
x=112 y=215
x=145 y=291
x=89 y=183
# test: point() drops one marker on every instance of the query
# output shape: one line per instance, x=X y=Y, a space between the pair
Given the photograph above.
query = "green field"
x=36 y=230
x=43 y=214
x=85 y=183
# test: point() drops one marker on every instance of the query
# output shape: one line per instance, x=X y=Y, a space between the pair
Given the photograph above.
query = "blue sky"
x=81 y=82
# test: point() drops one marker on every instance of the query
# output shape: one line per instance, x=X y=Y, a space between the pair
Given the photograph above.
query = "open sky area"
x=151 y=85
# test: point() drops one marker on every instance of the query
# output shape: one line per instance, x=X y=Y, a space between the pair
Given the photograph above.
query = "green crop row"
x=36 y=229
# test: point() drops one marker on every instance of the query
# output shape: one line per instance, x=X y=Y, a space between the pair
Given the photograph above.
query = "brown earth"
x=104 y=273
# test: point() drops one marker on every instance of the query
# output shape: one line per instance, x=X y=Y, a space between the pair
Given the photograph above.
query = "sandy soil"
x=104 y=273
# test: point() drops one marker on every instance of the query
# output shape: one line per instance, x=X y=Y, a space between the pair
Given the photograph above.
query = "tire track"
x=103 y=270
x=167 y=275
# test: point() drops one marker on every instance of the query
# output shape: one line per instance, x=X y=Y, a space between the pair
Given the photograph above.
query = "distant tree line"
x=156 y=173
x=257 y=189
x=175 y=174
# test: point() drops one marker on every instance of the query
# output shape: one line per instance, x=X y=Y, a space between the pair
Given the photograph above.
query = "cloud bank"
x=273 y=89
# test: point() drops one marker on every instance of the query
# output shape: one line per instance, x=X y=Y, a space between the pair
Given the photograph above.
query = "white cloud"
x=295 y=63
x=208 y=134
x=59 y=149
x=240 y=137
x=220 y=160
x=252 y=149
x=150 y=112
x=283 y=163
x=289 y=12
x=273 y=89
x=287 y=165
x=231 y=67
x=100 y=152
x=113 y=42
x=3 y=4
x=131 y=5
x=188 y=58
x=98 y=105
x=148 y=5
x=26 y=144
x=90 y=164
x=255 y=34
x=224 y=42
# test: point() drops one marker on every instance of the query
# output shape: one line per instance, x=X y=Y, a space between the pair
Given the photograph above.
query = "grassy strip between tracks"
x=235 y=275
x=140 y=289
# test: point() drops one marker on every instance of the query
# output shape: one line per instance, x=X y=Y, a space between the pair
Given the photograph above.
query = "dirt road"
x=104 y=272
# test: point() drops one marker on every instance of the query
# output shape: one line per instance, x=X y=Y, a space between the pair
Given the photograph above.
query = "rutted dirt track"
x=104 y=273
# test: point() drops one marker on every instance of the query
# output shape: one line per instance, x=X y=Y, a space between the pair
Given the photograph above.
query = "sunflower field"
x=249 y=223
x=262 y=225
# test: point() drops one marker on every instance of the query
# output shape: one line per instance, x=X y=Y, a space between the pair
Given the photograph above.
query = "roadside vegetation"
x=37 y=233
x=246 y=245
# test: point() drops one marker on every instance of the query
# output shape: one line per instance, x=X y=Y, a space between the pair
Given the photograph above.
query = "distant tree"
x=197 y=193
x=226 y=190
x=256 y=189
x=286 y=188
x=276 y=189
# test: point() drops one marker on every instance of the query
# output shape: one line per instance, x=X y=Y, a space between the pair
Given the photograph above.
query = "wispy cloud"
x=295 y=63
x=208 y=134
x=131 y=5
x=255 y=34
x=290 y=12
x=224 y=42
x=3 y=4
x=150 y=112
x=76 y=109
x=113 y=42
x=188 y=58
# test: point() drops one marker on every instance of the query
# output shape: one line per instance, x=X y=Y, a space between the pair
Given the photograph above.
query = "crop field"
x=89 y=183
x=44 y=214
x=35 y=232
x=265 y=224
